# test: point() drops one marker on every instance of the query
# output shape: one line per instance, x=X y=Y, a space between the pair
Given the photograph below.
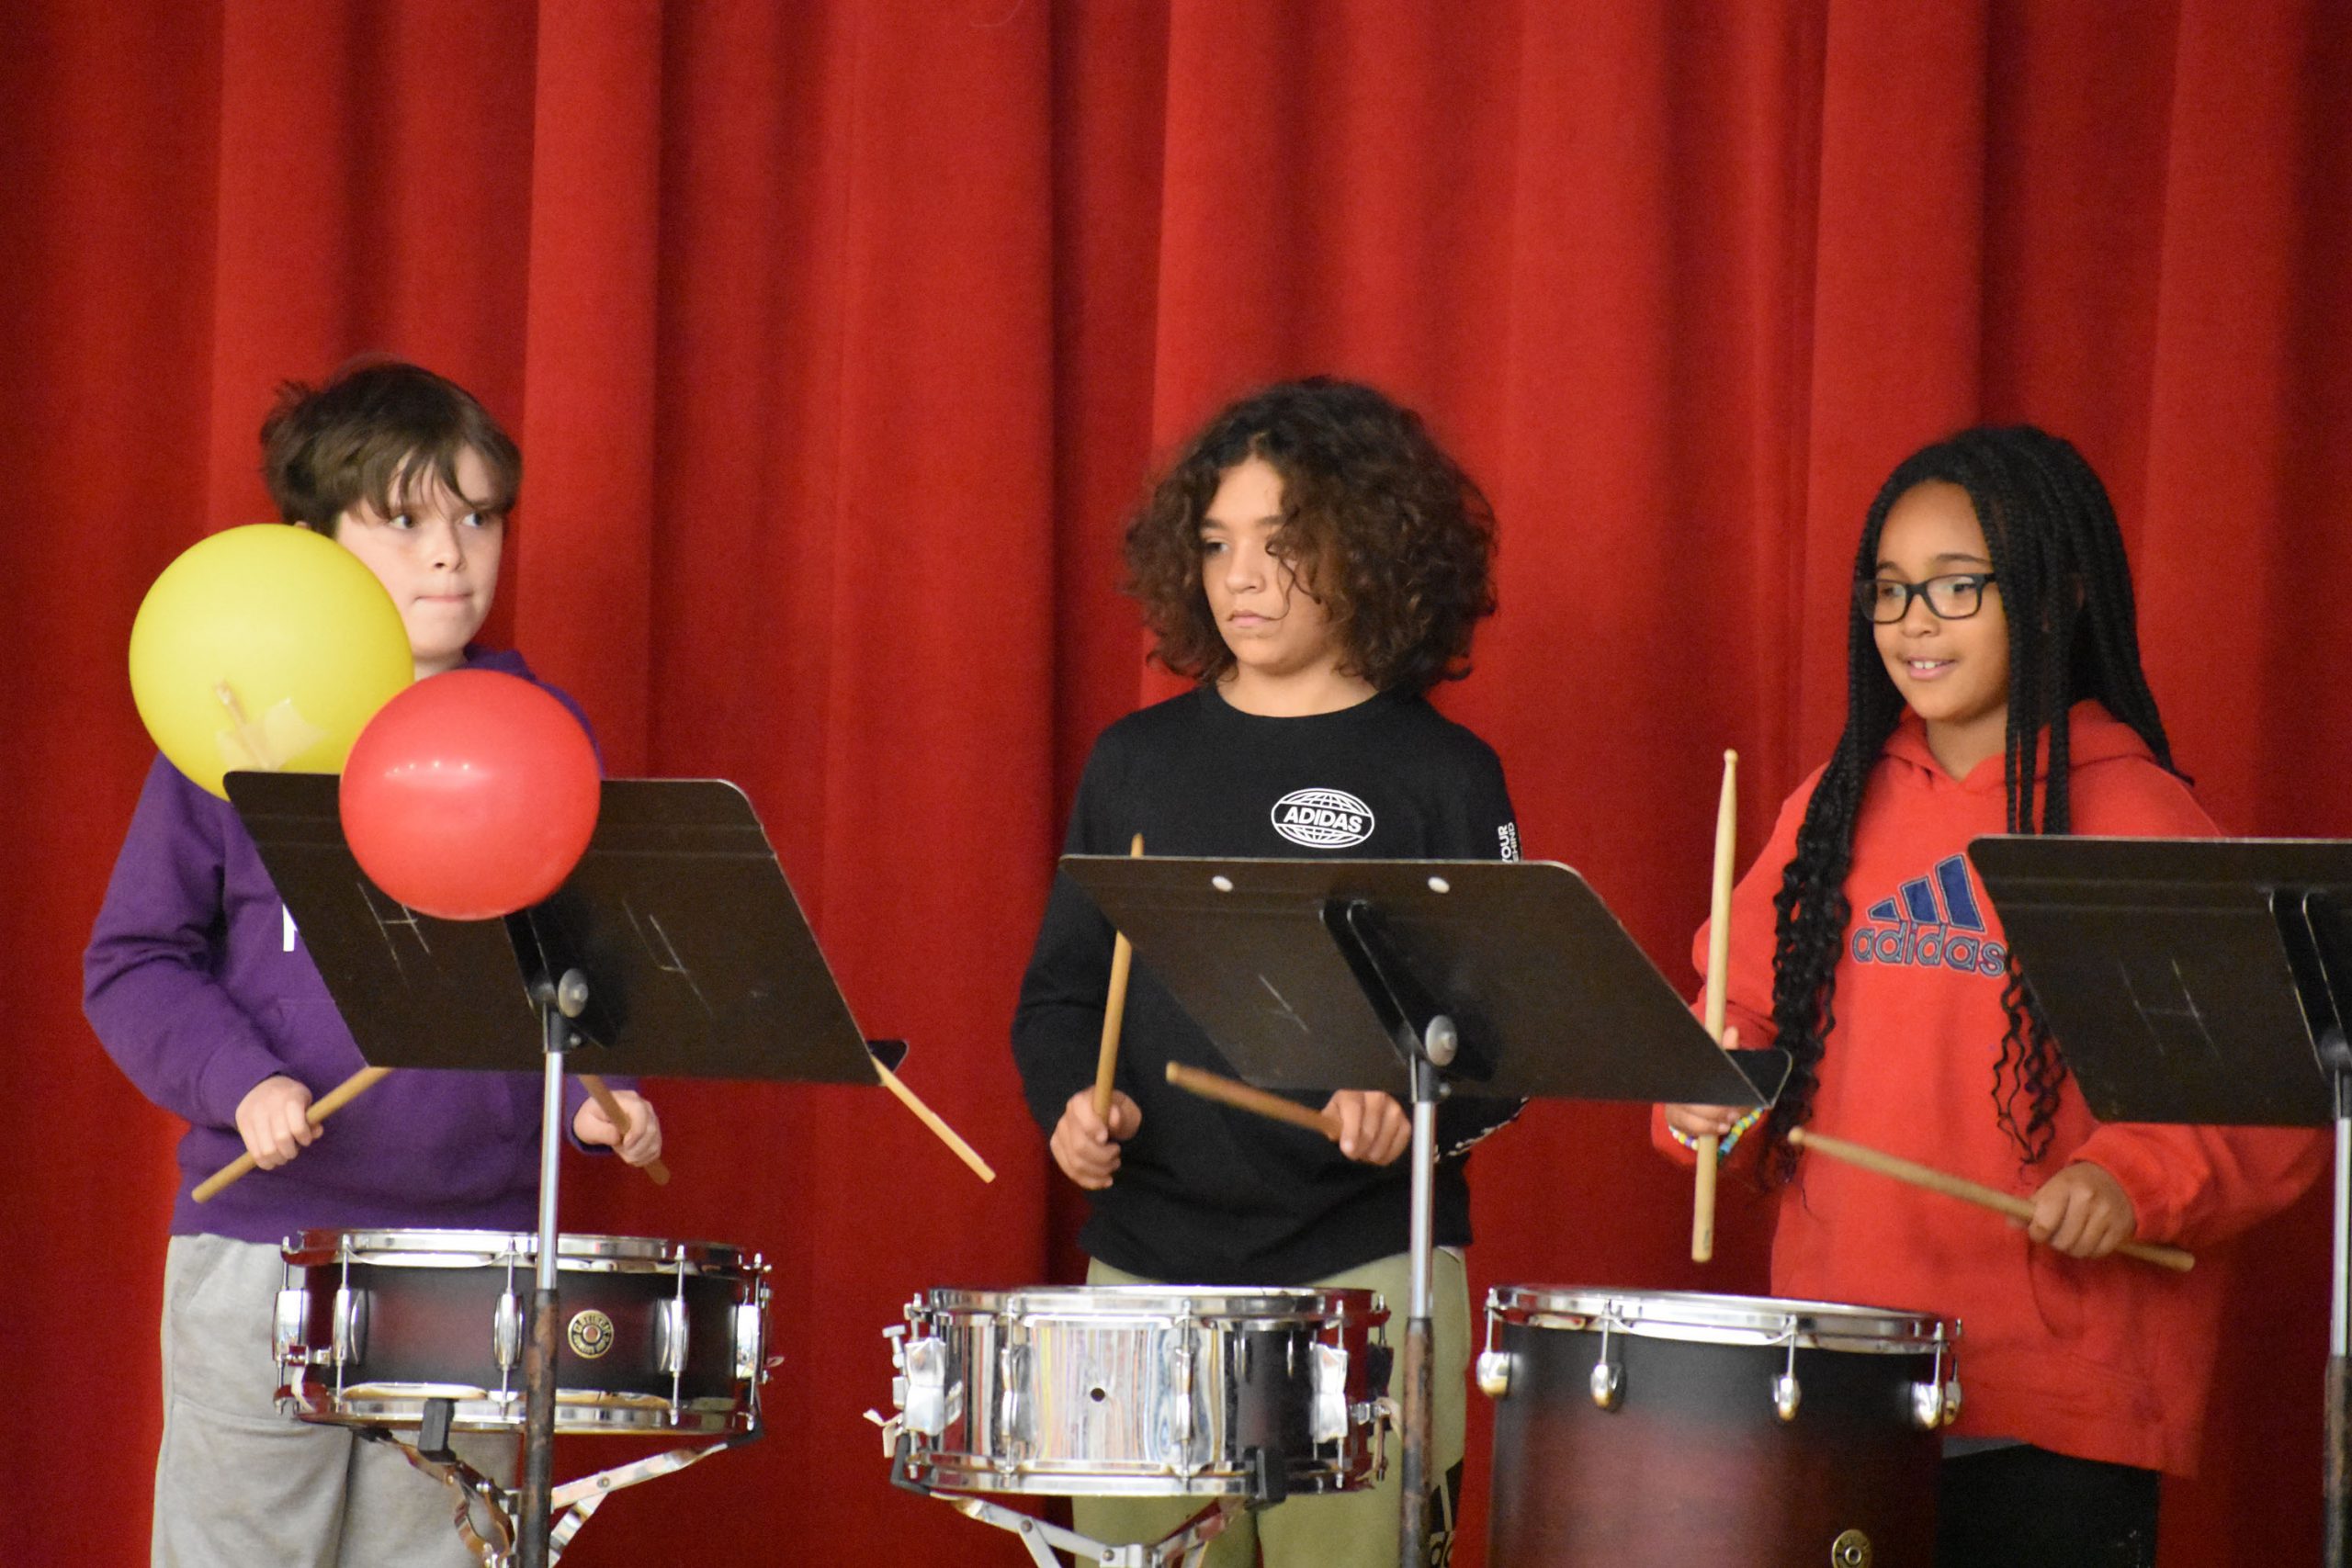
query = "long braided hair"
x=2058 y=564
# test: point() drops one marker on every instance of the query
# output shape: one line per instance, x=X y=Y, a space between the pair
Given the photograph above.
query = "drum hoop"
x=1236 y=1304
x=1697 y=1317
x=430 y=1249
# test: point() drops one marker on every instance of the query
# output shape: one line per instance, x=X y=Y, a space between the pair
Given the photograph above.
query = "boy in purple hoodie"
x=197 y=983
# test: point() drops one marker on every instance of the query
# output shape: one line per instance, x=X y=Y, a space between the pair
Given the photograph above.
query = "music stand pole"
x=2336 y=1056
x=1436 y=1049
x=559 y=1005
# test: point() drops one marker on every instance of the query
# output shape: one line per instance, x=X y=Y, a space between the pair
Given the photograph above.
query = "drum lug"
x=1607 y=1378
x=1329 y=1421
x=670 y=1335
x=921 y=1392
x=750 y=1343
x=287 y=1333
x=1182 y=1422
x=506 y=1330
x=1850 y=1550
x=1936 y=1402
x=1494 y=1373
x=1013 y=1410
x=350 y=1325
x=1786 y=1392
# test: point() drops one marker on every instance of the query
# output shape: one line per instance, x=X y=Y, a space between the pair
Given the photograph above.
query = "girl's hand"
x=2082 y=1211
x=1374 y=1129
x=1702 y=1121
x=274 y=1120
x=1085 y=1145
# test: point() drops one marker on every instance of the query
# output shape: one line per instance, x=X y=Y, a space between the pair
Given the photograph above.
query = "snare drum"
x=656 y=1335
x=1634 y=1429
x=1141 y=1390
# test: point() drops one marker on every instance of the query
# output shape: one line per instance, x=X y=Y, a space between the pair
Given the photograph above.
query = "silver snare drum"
x=1141 y=1390
x=657 y=1336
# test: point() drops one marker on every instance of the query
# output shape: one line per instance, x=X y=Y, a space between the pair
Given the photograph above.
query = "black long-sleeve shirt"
x=1204 y=1194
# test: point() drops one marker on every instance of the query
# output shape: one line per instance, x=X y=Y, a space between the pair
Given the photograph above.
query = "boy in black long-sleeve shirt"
x=1317 y=562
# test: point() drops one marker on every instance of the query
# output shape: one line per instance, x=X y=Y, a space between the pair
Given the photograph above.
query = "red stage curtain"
x=839 y=335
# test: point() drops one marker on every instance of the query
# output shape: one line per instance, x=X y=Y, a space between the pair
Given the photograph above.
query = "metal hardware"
x=923 y=1392
x=1013 y=1413
x=350 y=1325
x=1494 y=1373
x=1328 y=1421
x=748 y=1342
x=1785 y=1391
x=1850 y=1550
x=286 y=1329
x=1607 y=1378
x=506 y=1333
x=670 y=1337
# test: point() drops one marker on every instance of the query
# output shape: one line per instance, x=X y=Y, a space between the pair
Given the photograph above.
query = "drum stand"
x=480 y=1497
x=1186 y=1546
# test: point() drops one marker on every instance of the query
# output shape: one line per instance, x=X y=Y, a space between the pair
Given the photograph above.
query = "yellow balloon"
x=264 y=647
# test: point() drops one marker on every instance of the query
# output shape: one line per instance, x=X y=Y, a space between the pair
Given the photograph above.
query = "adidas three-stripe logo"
x=1932 y=923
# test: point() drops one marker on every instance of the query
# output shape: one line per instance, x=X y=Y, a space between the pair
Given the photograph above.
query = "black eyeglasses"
x=1954 y=596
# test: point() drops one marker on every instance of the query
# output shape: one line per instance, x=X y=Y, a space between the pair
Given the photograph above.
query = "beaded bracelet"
x=1729 y=1140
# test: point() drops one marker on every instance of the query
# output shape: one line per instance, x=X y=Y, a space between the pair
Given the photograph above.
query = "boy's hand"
x=2082 y=1211
x=1085 y=1145
x=271 y=1120
x=1374 y=1129
x=643 y=1144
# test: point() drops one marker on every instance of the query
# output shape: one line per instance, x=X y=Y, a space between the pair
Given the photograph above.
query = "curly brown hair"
x=1382 y=528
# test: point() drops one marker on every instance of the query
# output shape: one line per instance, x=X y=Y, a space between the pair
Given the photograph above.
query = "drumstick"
x=1114 y=1009
x=595 y=1084
x=338 y=1097
x=1924 y=1176
x=1703 y=1195
x=930 y=1119
x=1208 y=1086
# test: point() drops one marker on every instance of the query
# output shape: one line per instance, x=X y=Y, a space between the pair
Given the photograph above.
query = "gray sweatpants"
x=237 y=1483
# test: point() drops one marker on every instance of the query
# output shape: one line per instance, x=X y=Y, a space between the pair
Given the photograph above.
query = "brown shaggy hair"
x=375 y=426
x=1381 y=527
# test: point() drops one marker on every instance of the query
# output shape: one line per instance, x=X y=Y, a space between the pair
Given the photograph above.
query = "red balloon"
x=470 y=796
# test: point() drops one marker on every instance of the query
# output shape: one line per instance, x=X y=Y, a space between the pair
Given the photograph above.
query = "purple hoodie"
x=199 y=987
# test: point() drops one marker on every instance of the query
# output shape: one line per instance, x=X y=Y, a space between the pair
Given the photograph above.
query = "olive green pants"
x=1357 y=1528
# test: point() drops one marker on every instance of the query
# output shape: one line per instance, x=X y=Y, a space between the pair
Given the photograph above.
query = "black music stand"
x=1502 y=978
x=675 y=948
x=2202 y=980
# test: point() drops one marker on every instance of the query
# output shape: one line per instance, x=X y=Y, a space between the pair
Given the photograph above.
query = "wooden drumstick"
x=595 y=1084
x=1115 y=1011
x=335 y=1099
x=1241 y=1096
x=1928 y=1176
x=931 y=1119
x=1703 y=1195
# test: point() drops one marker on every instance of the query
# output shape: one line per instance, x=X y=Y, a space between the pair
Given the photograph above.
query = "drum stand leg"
x=1186 y=1546
x=569 y=1506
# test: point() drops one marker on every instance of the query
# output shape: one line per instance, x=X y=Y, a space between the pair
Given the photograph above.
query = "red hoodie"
x=2107 y=1359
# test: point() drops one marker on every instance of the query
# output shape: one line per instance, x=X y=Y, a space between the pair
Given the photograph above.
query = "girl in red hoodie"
x=1993 y=685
